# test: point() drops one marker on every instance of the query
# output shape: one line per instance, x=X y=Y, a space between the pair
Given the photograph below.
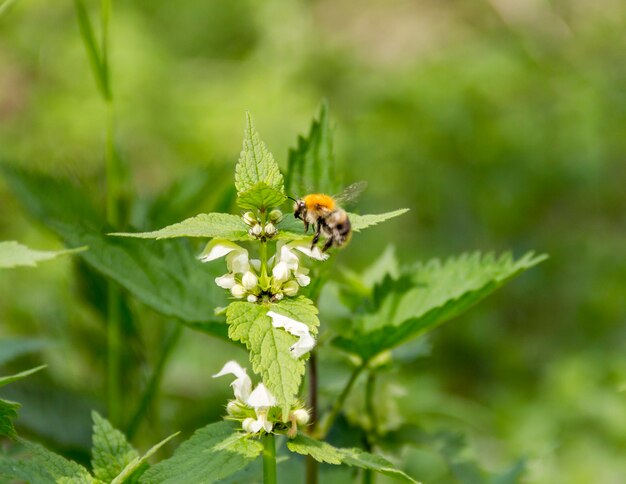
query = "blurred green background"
x=500 y=123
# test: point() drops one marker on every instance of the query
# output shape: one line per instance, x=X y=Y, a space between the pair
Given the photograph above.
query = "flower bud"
x=276 y=216
x=249 y=280
x=238 y=291
x=249 y=218
x=302 y=416
x=270 y=229
x=255 y=230
x=250 y=425
x=290 y=288
x=235 y=409
x=278 y=297
x=252 y=298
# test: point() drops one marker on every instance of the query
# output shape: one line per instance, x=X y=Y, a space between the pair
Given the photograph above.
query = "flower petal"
x=281 y=272
x=242 y=385
x=249 y=280
x=301 y=347
x=305 y=248
x=218 y=248
x=237 y=261
x=292 y=326
x=261 y=398
x=227 y=281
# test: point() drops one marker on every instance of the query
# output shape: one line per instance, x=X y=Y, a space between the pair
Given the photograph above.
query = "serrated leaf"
x=163 y=275
x=139 y=465
x=326 y=453
x=257 y=166
x=212 y=453
x=111 y=452
x=311 y=164
x=269 y=346
x=207 y=225
x=433 y=293
x=260 y=196
x=8 y=413
x=14 y=254
x=292 y=229
x=42 y=466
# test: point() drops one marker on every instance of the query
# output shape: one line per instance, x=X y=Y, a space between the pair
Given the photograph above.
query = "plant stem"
x=370 y=388
x=329 y=419
x=312 y=468
x=269 y=459
x=155 y=380
x=113 y=350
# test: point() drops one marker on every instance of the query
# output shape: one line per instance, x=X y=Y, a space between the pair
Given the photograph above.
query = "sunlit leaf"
x=13 y=254
x=111 y=452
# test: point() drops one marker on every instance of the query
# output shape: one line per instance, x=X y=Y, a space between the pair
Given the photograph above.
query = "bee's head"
x=299 y=207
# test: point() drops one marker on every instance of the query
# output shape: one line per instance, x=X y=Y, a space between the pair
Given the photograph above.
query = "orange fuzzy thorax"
x=317 y=201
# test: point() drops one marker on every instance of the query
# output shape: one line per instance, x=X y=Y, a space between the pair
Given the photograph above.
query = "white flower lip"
x=227 y=281
x=242 y=385
x=305 y=343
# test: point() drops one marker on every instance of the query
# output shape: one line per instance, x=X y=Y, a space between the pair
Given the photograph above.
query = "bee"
x=325 y=214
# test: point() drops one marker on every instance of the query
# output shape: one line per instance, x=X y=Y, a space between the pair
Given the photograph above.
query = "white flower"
x=281 y=272
x=255 y=230
x=302 y=277
x=256 y=264
x=252 y=298
x=305 y=342
x=261 y=398
x=249 y=280
x=227 y=281
x=301 y=416
x=242 y=385
x=249 y=218
x=238 y=291
x=270 y=229
x=291 y=288
x=236 y=256
x=304 y=247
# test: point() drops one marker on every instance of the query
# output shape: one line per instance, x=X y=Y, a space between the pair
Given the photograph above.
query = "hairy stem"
x=269 y=459
x=328 y=420
x=155 y=380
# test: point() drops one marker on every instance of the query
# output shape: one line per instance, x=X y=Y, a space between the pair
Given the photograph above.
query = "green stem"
x=329 y=419
x=312 y=468
x=155 y=380
x=113 y=349
x=369 y=404
x=269 y=459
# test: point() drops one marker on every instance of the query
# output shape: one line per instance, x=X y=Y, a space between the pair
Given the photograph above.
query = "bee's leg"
x=328 y=244
x=306 y=226
x=316 y=237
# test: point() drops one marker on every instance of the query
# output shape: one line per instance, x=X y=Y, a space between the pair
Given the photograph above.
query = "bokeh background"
x=500 y=123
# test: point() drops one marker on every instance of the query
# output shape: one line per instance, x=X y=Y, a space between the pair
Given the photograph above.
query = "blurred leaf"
x=326 y=453
x=311 y=164
x=5 y=380
x=42 y=466
x=12 y=348
x=8 y=413
x=91 y=46
x=4 y=6
x=269 y=346
x=164 y=275
x=13 y=254
x=435 y=293
x=135 y=468
x=111 y=451
x=209 y=225
x=212 y=453
x=258 y=179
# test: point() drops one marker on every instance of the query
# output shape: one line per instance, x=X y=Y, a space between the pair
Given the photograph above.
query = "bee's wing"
x=351 y=192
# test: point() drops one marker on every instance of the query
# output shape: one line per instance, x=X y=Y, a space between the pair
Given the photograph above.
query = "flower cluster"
x=260 y=230
x=247 y=278
x=256 y=409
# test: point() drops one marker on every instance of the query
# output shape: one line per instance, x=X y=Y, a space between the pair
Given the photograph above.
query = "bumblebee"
x=323 y=212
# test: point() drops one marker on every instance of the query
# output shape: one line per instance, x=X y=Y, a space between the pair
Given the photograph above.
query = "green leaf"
x=269 y=346
x=311 y=164
x=5 y=380
x=4 y=6
x=326 y=453
x=13 y=254
x=208 y=225
x=42 y=466
x=163 y=275
x=8 y=413
x=426 y=296
x=139 y=465
x=12 y=348
x=212 y=453
x=292 y=229
x=91 y=46
x=111 y=452
x=258 y=179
